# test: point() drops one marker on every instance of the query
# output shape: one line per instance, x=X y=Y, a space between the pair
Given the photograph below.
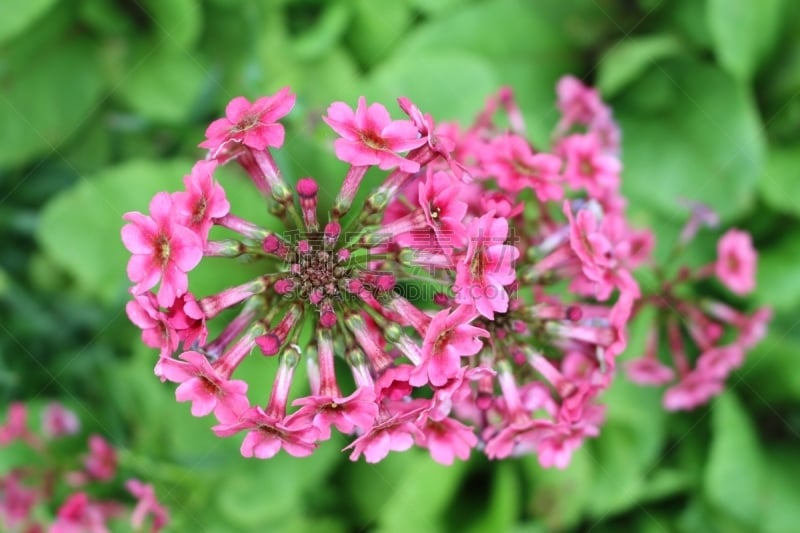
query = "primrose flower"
x=476 y=299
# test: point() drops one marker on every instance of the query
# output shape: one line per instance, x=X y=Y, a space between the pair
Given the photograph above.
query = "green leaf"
x=547 y=502
x=743 y=32
x=781 y=491
x=422 y=79
x=426 y=487
x=526 y=29
x=777 y=283
x=377 y=29
x=177 y=22
x=707 y=145
x=772 y=368
x=164 y=84
x=536 y=48
x=629 y=444
x=502 y=508
x=780 y=182
x=325 y=34
x=733 y=477
x=631 y=57
x=47 y=101
x=440 y=8
x=249 y=504
x=18 y=15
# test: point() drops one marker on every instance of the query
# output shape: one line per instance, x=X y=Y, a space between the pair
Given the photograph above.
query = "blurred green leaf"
x=631 y=57
x=733 y=474
x=18 y=15
x=777 y=282
x=536 y=49
x=502 y=509
x=781 y=491
x=178 y=21
x=699 y=517
x=377 y=29
x=427 y=488
x=707 y=146
x=163 y=84
x=743 y=32
x=423 y=79
x=524 y=27
x=631 y=441
x=48 y=100
x=325 y=34
x=772 y=368
x=439 y=8
x=550 y=484
x=691 y=18
x=780 y=182
x=105 y=17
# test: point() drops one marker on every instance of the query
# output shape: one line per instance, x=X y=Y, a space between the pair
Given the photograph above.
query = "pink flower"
x=752 y=328
x=521 y=434
x=578 y=103
x=254 y=125
x=102 y=460
x=267 y=434
x=162 y=250
x=16 y=426
x=205 y=387
x=719 y=361
x=203 y=201
x=444 y=212
x=78 y=514
x=369 y=136
x=16 y=501
x=588 y=166
x=146 y=504
x=188 y=320
x=358 y=410
x=648 y=371
x=736 y=261
x=511 y=160
x=588 y=242
x=449 y=338
x=447 y=439
x=439 y=144
x=693 y=390
x=487 y=266
x=57 y=421
x=396 y=433
x=555 y=447
x=144 y=312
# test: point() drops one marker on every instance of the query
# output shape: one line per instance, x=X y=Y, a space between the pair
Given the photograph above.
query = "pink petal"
x=138 y=239
x=195 y=390
x=237 y=109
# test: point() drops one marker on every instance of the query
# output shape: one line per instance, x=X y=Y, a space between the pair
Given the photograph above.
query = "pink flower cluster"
x=706 y=339
x=28 y=491
x=477 y=299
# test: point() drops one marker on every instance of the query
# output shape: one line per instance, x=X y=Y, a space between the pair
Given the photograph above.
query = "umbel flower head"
x=477 y=299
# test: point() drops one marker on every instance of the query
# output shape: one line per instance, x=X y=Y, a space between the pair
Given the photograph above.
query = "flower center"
x=199 y=211
x=316 y=273
x=247 y=123
x=162 y=246
x=373 y=141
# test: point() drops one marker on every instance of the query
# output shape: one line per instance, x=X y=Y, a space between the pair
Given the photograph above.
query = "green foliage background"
x=103 y=102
